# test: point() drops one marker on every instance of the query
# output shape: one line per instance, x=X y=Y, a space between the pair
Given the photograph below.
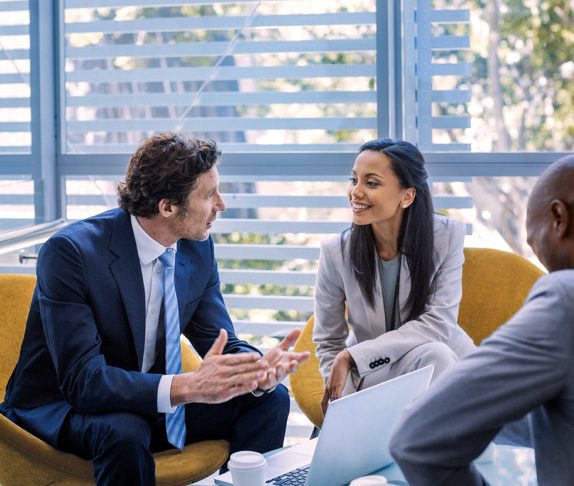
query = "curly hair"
x=165 y=166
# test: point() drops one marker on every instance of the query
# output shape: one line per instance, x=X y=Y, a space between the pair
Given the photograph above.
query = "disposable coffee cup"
x=369 y=481
x=247 y=468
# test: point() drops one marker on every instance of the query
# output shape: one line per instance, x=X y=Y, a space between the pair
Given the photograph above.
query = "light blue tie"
x=174 y=422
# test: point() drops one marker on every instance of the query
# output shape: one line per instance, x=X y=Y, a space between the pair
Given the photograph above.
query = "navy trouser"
x=120 y=444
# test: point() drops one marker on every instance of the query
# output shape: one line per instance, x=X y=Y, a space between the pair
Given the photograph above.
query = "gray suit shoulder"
x=445 y=225
x=332 y=245
x=560 y=282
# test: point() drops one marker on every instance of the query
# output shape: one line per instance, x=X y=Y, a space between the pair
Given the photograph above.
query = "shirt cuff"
x=262 y=391
x=164 y=395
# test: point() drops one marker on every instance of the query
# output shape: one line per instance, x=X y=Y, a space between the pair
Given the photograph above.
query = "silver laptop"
x=354 y=439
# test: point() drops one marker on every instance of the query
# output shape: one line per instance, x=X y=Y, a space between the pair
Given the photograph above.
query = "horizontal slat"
x=264 y=201
x=190 y=49
x=222 y=73
x=14 y=102
x=449 y=16
x=451 y=147
x=273 y=328
x=265 y=252
x=234 y=200
x=433 y=179
x=452 y=202
x=17 y=78
x=266 y=226
x=11 y=54
x=220 y=22
x=451 y=121
x=150 y=3
x=14 y=127
x=121 y=148
x=13 y=29
x=223 y=98
x=222 y=124
x=13 y=6
x=451 y=96
x=451 y=69
x=262 y=277
x=19 y=149
x=245 y=200
x=302 y=304
x=9 y=199
x=450 y=42
x=311 y=201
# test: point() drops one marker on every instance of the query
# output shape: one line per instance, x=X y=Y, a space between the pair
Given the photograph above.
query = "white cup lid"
x=246 y=460
x=369 y=481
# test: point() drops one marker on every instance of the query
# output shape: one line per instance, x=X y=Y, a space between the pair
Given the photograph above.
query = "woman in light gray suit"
x=398 y=269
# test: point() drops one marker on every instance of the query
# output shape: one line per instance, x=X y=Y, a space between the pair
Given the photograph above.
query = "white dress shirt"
x=149 y=252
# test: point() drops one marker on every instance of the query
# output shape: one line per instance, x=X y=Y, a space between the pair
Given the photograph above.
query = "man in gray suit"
x=525 y=366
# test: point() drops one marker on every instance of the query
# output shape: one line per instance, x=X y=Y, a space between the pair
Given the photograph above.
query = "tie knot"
x=168 y=258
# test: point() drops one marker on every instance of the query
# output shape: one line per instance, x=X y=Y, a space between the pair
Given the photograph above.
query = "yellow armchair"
x=495 y=285
x=26 y=460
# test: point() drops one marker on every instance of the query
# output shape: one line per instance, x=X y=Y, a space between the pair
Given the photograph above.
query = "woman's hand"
x=339 y=371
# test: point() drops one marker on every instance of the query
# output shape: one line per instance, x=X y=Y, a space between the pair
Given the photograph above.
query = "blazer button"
x=387 y=360
x=372 y=366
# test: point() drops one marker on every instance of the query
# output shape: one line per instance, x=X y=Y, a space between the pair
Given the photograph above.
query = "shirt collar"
x=148 y=249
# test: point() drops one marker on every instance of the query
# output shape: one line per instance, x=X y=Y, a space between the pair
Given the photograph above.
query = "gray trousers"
x=435 y=353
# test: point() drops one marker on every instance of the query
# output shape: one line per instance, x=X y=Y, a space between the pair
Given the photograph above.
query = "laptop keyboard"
x=292 y=478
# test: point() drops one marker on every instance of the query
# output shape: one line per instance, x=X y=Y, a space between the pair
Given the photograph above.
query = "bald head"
x=557 y=180
x=550 y=215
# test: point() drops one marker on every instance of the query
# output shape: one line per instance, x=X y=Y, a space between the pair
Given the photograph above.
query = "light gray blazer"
x=336 y=284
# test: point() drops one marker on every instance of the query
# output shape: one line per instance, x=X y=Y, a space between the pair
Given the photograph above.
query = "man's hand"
x=220 y=377
x=339 y=371
x=281 y=361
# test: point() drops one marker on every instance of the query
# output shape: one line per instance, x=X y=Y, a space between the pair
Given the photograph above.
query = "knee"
x=126 y=432
x=281 y=401
x=437 y=354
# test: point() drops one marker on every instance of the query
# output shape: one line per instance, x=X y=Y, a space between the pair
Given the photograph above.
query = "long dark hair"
x=416 y=235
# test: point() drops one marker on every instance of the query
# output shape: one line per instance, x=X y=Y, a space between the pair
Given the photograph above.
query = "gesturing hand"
x=281 y=361
x=220 y=377
x=336 y=382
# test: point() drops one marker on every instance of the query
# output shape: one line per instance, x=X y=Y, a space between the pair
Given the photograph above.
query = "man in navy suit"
x=91 y=374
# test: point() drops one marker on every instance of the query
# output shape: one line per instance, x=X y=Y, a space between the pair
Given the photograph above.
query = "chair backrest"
x=495 y=285
x=15 y=297
x=190 y=360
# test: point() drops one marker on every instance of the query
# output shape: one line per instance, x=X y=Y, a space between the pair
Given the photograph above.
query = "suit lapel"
x=404 y=289
x=126 y=270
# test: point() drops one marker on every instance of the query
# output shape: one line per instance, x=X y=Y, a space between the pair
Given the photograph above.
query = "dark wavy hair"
x=165 y=166
x=416 y=236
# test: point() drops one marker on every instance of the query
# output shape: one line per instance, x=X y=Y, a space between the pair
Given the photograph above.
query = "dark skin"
x=550 y=216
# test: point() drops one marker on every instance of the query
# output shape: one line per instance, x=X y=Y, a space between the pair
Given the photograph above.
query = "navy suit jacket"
x=84 y=339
